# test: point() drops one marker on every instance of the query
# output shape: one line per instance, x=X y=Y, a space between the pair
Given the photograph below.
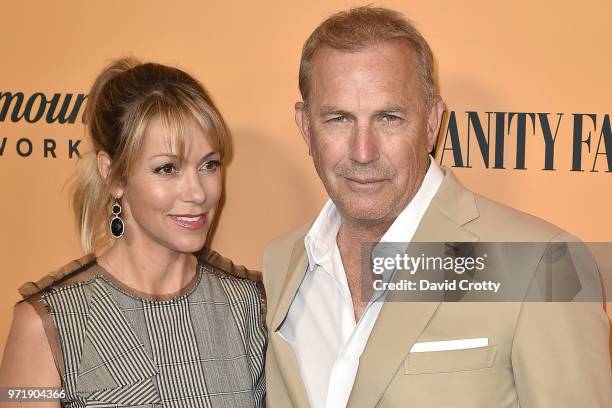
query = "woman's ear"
x=104 y=167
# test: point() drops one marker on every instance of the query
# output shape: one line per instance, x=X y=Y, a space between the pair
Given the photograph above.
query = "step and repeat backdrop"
x=527 y=87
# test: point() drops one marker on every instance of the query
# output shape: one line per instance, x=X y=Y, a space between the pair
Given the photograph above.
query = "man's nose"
x=364 y=145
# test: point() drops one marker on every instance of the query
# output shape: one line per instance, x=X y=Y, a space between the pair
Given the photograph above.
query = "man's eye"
x=390 y=118
x=338 y=119
x=211 y=165
x=166 y=169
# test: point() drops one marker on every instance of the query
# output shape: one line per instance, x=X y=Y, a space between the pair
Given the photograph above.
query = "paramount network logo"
x=58 y=108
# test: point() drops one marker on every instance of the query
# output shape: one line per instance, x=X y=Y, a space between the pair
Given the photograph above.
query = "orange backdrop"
x=509 y=56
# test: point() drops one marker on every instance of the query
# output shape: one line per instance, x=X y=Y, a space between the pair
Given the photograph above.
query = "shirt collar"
x=406 y=223
x=321 y=237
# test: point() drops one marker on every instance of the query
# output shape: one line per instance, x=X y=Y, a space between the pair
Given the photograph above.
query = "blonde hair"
x=357 y=28
x=124 y=99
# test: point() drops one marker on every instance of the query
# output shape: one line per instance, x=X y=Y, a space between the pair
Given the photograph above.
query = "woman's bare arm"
x=28 y=360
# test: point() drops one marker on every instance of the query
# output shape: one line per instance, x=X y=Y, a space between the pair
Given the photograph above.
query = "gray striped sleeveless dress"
x=202 y=348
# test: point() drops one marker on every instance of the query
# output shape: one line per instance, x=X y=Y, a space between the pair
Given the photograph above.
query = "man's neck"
x=356 y=233
x=351 y=238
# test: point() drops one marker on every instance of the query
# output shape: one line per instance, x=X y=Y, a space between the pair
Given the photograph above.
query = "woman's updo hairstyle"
x=124 y=99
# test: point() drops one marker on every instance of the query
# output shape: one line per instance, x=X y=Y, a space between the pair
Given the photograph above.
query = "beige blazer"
x=538 y=354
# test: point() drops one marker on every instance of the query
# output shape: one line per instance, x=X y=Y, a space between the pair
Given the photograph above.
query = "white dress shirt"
x=320 y=325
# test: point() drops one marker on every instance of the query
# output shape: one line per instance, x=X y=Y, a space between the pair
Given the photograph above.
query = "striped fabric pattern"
x=168 y=326
x=244 y=308
x=202 y=349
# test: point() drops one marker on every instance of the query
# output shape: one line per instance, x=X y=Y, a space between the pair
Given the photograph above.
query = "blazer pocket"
x=450 y=360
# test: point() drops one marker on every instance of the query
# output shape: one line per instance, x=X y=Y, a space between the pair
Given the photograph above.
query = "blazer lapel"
x=401 y=322
x=296 y=270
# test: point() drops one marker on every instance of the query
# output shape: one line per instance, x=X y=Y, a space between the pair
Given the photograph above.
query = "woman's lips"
x=192 y=222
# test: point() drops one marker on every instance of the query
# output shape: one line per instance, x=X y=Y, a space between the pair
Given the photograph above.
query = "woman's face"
x=170 y=204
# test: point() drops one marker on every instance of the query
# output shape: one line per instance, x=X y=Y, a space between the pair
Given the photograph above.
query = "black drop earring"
x=116 y=224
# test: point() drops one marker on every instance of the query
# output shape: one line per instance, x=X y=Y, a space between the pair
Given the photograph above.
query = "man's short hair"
x=355 y=29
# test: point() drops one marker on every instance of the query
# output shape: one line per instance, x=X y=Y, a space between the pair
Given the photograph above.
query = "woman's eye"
x=211 y=165
x=166 y=169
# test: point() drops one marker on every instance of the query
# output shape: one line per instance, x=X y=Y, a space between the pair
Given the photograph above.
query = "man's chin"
x=365 y=213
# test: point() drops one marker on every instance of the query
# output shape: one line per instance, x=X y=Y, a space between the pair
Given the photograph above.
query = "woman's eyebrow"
x=171 y=155
x=212 y=153
x=174 y=156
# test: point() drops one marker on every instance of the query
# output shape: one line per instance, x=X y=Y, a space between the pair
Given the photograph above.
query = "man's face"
x=368 y=129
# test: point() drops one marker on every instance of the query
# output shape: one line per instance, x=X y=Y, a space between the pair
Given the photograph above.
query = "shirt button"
x=347 y=359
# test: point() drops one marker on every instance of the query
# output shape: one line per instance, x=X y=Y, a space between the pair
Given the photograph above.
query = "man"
x=370 y=116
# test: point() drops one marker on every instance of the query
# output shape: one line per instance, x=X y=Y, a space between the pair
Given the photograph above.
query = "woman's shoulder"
x=225 y=267
x=32 y=348
x=72 y=272
x=229 y=271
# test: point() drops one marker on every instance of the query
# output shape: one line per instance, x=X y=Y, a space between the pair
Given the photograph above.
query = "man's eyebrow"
x=331 y=109
x=328 y=109
x=392 y=108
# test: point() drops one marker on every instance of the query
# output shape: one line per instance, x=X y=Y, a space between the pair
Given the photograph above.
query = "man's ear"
x=301 y=118
x=104 y=166
x=434 y=120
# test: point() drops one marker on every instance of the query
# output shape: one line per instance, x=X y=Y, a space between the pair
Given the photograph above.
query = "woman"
x=147 y=322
